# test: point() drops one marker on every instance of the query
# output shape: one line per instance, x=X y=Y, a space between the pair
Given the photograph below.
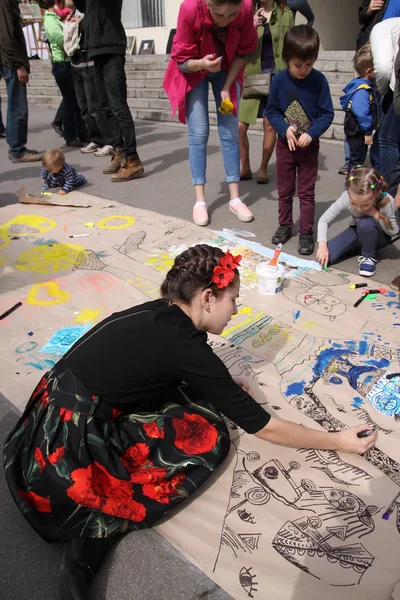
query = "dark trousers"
x=85 y=90
x=73 y=125
x=58 y=116
x=2 y=128
x=114 y=117
x=17 y=112
x=303 y=164
x=359 y=151
x=389 y=142
x=365 y=236
x=394 y=179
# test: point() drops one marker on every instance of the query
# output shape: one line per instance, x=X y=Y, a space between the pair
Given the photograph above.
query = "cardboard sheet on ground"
x=276 y=522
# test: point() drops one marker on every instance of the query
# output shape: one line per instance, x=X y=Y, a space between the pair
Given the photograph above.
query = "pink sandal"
x=200 y=214
x=238 y=208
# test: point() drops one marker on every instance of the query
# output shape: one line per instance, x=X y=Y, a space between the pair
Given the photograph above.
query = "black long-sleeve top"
x=133 y=357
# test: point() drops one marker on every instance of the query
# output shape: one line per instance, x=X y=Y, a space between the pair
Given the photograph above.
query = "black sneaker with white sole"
x=306 y=244
x=282 y=235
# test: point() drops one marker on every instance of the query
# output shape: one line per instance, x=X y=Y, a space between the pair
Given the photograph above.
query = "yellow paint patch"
x=242 y=324
x=161 y=262
x=112 y=222
x=35 y=222
x=48 y=259
x=87 y=315
x=4 y=239
x=47 y=294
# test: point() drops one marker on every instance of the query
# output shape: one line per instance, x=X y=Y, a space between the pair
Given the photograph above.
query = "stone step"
x=338 y=78
x=327 y=66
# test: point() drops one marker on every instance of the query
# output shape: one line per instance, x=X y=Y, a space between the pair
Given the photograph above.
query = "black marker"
x=365 y=433
x=392 y=375
x=10 y=310
x=361 y=298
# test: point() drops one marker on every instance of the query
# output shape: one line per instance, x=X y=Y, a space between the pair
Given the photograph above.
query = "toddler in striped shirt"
x=56 y=172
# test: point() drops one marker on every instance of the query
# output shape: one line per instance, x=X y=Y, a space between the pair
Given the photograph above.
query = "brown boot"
x=130 y=169
x=116 y=162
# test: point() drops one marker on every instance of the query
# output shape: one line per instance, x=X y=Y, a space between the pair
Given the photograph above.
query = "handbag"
x=255 y=86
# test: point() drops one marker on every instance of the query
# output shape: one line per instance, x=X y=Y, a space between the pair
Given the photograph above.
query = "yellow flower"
x=49 y=259
x=226 y=107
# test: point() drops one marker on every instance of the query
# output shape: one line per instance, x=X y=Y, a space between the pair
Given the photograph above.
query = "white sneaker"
x=91 y=147
x=105 y=151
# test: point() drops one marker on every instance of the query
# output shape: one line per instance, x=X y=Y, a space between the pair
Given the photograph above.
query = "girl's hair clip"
x=352 y=170
x=384 y=194
x=351 y=177
x=372 y=186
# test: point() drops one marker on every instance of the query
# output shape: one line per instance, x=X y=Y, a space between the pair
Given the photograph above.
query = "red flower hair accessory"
x=224 y=272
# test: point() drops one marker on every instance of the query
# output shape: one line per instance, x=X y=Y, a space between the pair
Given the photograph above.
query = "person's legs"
x=307 y=159
x=389 y=142
x=371 y=236
x=58 y=116
x=343 y=170
x=115 y=83
x=17 y=112
x=107 y=123
x=374 y=152
x=244 y=146
x=269 y=142
x=70 y=110
x=2 y=128
x=228 y=131
x=358 y=151
x=286 y=168
x=89 y=84
x=342 y=244
x=81 y=97
x=394 y=179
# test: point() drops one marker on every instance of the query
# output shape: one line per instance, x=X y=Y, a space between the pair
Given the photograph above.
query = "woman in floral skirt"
x=111 y=439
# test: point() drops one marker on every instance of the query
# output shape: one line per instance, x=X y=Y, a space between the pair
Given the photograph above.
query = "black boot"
x=82 y=558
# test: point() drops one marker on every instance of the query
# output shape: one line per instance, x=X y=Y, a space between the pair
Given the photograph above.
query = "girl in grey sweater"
x=375 y=221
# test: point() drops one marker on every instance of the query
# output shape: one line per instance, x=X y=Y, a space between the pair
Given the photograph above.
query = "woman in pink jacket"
x=212 y=39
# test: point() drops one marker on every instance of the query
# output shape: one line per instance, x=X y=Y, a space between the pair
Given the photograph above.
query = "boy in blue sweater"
x=360 y=106
x=300 y=110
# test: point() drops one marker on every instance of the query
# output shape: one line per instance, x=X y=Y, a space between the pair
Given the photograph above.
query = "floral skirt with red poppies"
x=76 y=471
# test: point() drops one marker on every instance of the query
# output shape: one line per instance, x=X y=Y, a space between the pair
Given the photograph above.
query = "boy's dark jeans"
x=302 y=164
x=73 y=125
x=85 y=90
x=17 y=112
x=359 y=151
x=114 y=117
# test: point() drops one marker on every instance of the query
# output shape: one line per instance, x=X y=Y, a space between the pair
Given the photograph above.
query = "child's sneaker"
x=306 y=244
x=282 y=235
x=367 y=266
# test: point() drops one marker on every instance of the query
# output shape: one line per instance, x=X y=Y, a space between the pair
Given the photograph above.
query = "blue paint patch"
x=43 y=242
x=296 y=315
x=63 y=339
x=101 y=254
x=30 y=333
x=336 y=380
x=41 y=364
x=394 y=304
x=390 y=294
x=357 y=402
x=362 y=347
x=27 y=347
x=380 y=364
x=294 y=389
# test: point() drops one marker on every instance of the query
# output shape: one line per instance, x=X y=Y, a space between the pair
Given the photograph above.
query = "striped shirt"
x=67 y=178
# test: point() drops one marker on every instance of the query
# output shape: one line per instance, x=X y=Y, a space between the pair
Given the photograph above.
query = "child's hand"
x=323 y=254
x=304 y=140
x=291 y=137
x=62 y=193
x=368 y=140
x=225 y=95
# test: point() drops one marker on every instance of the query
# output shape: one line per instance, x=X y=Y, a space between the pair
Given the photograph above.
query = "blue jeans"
x=389 y=142
x=199 y=129
x=366 y=236
x=2 y=128
x=17 y=112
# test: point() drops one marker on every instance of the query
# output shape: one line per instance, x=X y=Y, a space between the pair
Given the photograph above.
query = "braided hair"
x=192 y=271
x=362 y=181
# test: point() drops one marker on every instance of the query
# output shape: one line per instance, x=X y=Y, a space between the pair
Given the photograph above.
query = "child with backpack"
x=360 y=105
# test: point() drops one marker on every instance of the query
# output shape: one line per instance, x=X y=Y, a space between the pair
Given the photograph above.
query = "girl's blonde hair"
x=363 y=181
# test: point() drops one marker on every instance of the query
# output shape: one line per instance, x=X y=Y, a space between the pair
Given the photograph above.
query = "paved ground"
x=166 y=188
x=143 y=565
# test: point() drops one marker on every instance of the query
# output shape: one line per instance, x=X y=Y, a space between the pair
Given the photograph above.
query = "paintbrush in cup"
x=275 y=257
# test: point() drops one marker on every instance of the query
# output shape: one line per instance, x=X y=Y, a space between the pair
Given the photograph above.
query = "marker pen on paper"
x=355 y=286
x=361 y=298
x=392 y=375
x=80 y=235
x=10 y=310
x=378 y=291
